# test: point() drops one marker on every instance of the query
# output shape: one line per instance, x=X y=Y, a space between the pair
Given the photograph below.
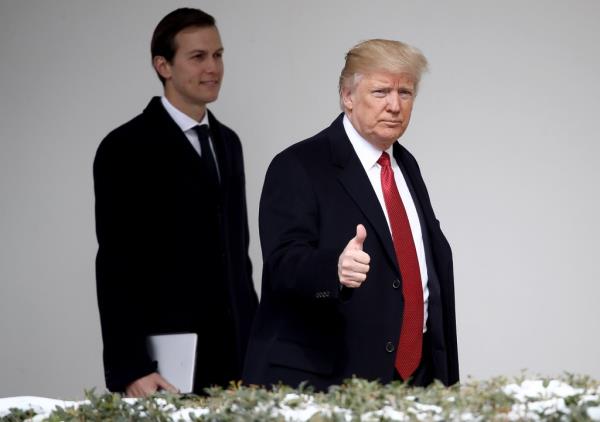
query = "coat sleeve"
x=293 y=260
x=120 y=271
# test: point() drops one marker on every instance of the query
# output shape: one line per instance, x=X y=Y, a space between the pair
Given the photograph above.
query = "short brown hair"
x=163 y=38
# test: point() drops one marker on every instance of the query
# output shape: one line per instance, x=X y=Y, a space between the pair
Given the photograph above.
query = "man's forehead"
x=208 y=30
x=387 y=77
x=205 y=37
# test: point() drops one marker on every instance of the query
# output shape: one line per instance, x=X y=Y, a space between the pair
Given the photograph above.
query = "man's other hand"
x=353 y=264
x=148 y=385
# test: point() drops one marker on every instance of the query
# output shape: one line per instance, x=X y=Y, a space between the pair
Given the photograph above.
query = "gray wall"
x=505 y=130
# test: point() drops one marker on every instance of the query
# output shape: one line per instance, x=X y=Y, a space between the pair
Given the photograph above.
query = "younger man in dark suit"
x=171 y=220
x=357 y=275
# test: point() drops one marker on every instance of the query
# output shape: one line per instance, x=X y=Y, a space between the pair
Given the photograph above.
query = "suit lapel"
x=222 y=149
x=413 y=180
x=355 y=181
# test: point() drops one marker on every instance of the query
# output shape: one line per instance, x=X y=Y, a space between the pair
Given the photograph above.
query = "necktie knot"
x=202 y=131
x=384 y=160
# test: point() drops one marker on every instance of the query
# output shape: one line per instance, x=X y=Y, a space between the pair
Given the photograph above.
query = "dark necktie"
x=206 y=154
x=408 y=355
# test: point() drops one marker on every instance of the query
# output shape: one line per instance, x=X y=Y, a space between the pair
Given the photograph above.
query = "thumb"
x=359 y=239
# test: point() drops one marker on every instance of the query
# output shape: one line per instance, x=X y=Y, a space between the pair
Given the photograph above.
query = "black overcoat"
x=307 y=328
x=173 y=252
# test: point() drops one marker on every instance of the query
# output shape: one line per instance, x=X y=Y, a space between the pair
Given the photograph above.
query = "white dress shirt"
x=368 y=156
x=187 y=125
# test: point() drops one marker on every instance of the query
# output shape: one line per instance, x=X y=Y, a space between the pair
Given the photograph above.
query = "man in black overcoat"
x=171 y=220
x=357 y=274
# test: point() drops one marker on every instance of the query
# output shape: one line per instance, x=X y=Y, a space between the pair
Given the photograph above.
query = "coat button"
x=396 y=284
x=389 y=347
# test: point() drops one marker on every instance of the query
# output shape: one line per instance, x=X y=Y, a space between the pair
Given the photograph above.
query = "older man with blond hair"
x=357 y=276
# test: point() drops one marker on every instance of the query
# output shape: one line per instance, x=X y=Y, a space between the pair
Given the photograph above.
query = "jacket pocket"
x=296 y=356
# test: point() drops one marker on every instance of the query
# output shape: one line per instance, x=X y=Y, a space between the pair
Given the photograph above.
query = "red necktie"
x=408 y=354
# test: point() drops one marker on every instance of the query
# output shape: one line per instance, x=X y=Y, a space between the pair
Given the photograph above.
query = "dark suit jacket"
x=173 y=253
x=307 y=328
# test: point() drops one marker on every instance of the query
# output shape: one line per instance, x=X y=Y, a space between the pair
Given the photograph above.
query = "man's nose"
x=393 y=103
x=213 y=65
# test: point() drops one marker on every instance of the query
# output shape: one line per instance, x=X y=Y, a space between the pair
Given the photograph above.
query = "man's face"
x=193 y=77
x=379 y=106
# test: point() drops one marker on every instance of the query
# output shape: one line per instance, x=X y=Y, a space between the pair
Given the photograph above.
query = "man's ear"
x=347 y=98
x=162 y=66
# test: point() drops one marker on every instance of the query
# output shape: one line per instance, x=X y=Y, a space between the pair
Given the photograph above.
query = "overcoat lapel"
x=169 y=132
x=355 y=181
x=176 y=139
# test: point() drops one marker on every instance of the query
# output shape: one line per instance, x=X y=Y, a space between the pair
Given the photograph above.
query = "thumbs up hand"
x=353 y=264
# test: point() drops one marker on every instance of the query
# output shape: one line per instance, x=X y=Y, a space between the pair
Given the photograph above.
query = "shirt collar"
x=184 y=121
x=367 y=153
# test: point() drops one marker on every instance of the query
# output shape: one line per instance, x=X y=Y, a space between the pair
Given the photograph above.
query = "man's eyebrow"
x=380 y=83
x=199 y=50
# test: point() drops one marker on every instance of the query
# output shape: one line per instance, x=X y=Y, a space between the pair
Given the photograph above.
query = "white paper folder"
x=176 y=357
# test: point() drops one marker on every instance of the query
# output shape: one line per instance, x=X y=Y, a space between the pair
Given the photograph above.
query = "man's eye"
x=218 y=55
x=379 y=93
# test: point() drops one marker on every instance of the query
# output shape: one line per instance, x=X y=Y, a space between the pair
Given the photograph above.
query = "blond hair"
x=379 y=55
